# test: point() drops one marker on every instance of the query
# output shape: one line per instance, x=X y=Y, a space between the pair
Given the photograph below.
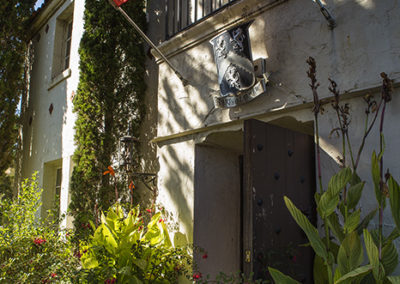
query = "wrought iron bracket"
x=327 y=15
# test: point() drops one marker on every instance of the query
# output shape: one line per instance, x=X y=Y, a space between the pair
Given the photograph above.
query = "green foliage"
x=338 y=209
x=279 y=277
x=33 y=250
x=14 y=38
x=128 y=250
x=110 y=94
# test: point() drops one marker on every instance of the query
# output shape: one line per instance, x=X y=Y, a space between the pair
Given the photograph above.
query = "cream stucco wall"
x=365 y=42
x=49 y=137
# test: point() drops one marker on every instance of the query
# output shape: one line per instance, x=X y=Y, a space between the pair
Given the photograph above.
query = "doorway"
x=240 y=220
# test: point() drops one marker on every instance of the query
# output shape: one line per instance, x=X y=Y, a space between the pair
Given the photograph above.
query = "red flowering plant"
x=33 y=250
x=133 y=247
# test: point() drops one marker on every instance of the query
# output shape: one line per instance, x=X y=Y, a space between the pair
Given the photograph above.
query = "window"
x=68 y=45
x=181 y=14
x=52 y=177
x=62 y=42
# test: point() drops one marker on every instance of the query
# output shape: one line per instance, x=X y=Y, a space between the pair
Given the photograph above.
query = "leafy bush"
x=33 y=250
x=340 y=252
x=132 y=248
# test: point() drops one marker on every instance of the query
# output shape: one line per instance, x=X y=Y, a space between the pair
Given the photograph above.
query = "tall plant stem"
x=318 y=154
x=367 y=131
x=350 y=150
x=381 y=179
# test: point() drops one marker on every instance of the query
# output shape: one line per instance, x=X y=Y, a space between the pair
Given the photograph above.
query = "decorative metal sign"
x=236 y=78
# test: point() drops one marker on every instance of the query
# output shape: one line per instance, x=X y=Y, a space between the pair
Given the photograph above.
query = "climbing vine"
x=109 y=97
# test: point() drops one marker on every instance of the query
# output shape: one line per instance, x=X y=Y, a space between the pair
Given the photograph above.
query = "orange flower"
x=110 y=171
x=131 y=186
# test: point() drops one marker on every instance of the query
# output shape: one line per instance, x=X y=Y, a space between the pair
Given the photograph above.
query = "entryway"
x=240 y=219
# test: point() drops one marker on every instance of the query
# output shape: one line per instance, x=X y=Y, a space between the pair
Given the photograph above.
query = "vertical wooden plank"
x=278 y=162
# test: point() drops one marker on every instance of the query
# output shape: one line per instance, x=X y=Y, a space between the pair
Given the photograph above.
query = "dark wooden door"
x=277 y=162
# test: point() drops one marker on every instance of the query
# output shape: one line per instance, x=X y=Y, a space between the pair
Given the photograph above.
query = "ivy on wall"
x=109 y=96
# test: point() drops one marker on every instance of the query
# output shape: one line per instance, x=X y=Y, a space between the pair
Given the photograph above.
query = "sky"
x=38 y=4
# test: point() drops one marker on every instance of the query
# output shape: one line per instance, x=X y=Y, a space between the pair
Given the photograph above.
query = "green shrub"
x=132 y=248
x=33 y=250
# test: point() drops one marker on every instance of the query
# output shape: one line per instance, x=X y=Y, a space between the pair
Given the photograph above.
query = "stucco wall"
x=365 y=43
x=49 y=136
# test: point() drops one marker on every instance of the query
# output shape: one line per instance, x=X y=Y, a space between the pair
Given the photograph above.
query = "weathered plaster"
x=49 y=137
x=365 y=43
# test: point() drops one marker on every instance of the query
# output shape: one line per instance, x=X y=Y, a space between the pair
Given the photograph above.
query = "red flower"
x=197 y=275
x=110 y=281
x=110 y=171
x=53 y=275
x=148 y=210
x=140 y=228
x=39 y=241
x=160 y=221
x=205 y=256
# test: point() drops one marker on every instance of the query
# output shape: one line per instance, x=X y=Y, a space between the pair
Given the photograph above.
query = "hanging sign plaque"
x=236 y=78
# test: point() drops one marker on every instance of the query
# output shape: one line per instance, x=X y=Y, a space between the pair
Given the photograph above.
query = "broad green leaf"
x=394 y=192
x=364 y=223
x=357 y=273
x=308 y=228
x=394 y=279
x=320 y=271
x=352 y=221
x=376 y=178
x=333 y=223
x=135 y=280
x=390 y=258
x=355 y=179
x=393 y=235
x=141 y=263
x=281 y=278
x=354 y=195
x=350 y=254
x=327 y=204
x=109 y=241
x=373 y=256
x=336 y=276
x=339 y=181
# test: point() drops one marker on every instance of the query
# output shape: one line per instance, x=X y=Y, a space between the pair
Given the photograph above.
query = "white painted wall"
x=365 y=43
x=49 y=137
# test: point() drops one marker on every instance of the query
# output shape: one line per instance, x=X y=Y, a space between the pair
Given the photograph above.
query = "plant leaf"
x=350 y=254
x=393 y=235
x=339 y=181
x=333 y=223
x=390 y=258
x=308 y=228
x=281 y=278
x=352 y=221
x=364 y=223
x=394 y=191
x=373 y=256
x=354 y=195
x=327 y=204
x=394 y=279
x=357 y=273
x=320 y=272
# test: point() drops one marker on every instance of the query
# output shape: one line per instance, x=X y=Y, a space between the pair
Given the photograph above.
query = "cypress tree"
x=14 y=40
x=110 y=94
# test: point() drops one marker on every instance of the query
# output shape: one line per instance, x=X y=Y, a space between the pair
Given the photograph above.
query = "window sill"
x=59 y=78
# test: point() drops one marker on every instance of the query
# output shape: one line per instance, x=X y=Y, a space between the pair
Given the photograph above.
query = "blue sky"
x=38 y=4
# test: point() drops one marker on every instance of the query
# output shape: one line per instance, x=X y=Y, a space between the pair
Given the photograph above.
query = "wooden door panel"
x=277 y=162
